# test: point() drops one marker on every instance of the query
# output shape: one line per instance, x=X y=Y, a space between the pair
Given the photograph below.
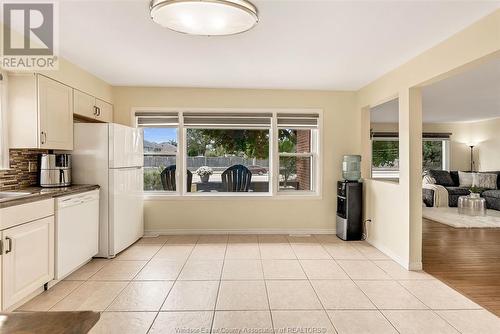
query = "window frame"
x=176 y=155
x=446 y=157
x=274 y=193
x=446 y=151
x=378 y=174
x=313 y=155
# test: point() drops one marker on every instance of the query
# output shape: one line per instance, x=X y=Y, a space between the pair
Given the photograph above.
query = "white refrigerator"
x=111 y=155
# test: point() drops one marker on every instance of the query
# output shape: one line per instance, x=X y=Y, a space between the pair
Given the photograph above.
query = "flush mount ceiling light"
x=205 y=17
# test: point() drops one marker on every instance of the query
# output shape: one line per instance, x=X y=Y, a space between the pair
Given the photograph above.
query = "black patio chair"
x=167 y=178
x=236 y=178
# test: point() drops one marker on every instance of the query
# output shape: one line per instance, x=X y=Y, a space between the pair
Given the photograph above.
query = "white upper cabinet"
x=90 y=107
x=84 y=105
x=104 y=111
x=55 y=110
x=41 y=113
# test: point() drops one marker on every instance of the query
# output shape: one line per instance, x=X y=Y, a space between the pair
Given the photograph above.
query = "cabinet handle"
x=1 y=246
x=9 y=242
x=43 y=137
x=95 y=111
x=98 y=111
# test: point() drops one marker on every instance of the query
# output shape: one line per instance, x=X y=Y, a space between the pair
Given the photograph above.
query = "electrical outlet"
x=31 y=166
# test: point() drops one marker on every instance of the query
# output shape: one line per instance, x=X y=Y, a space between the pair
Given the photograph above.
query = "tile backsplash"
x=19 y=176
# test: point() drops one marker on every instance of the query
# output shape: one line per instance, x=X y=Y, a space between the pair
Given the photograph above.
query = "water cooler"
x=349 y=210
x=350 y=200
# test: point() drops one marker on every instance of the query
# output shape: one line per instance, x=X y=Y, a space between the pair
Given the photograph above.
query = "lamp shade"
x=205 y=17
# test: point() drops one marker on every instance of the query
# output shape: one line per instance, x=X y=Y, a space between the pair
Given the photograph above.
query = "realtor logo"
x=29 y=36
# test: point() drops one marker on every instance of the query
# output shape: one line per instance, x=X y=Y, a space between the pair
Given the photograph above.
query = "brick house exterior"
x=303 y=165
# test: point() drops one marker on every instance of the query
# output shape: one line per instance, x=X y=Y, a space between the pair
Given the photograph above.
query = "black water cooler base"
x=349 y=224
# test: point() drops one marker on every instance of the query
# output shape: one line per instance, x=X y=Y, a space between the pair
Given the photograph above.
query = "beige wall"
x=399 y=234
x=76 y=77
x=341 y=135
x=486 y=136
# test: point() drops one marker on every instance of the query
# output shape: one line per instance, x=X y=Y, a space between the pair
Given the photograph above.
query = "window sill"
x=148 y=196
x=385 y=180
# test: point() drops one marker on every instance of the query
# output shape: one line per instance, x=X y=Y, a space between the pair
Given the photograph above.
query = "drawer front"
x=23 y=213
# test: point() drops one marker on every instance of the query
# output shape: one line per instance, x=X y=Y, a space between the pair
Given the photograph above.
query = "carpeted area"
x=450 y=217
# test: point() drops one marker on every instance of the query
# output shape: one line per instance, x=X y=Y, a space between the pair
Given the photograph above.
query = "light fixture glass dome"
x=205 y=17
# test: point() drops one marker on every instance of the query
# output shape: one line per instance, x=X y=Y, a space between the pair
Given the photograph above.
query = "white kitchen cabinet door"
x=104 y=111
x=28 y=259
x=55 y=112
x=84 y=105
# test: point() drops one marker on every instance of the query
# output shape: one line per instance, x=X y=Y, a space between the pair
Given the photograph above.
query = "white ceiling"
x=311 y=44
x=470 y=96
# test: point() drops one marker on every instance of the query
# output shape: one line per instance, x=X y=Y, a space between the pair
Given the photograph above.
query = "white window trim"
x=274 y=193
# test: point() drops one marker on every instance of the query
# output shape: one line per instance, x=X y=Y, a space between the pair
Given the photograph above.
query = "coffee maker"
x=54 y=170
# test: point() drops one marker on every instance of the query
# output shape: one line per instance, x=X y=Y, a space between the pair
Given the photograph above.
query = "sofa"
x=492 y=196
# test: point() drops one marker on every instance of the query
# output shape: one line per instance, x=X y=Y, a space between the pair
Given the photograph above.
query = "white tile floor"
x=268 y=283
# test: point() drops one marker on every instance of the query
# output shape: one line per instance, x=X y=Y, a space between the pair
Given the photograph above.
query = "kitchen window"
x=193 y=153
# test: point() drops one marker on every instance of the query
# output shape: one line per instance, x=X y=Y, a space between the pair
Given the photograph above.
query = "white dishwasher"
x=77 y=231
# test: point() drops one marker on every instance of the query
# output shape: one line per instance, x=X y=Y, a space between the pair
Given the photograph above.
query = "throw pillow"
x=428 y=180
x=484 y=180
x=442 y=177
x=465 y=179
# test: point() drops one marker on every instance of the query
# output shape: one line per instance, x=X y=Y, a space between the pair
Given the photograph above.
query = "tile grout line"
x=173 y=284
x=132 y=279
x=352 y=280
x=265 y=286
x=373 y=303
x=89 y=279
x=218 y=287
x=307 y=277
x=429 y=308
x=83 y=282
x=315 y=293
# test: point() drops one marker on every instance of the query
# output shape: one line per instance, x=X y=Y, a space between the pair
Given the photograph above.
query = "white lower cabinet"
x=27 y=260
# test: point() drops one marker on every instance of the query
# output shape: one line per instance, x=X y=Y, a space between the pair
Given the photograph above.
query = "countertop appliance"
x=76 y=231
x=54 y=170
x=349 y=210
x=111 y=155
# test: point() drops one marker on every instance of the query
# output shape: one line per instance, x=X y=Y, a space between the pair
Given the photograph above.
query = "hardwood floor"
x=466 y=259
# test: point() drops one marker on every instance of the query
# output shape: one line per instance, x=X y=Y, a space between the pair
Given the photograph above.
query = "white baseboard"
x=403 y=262
x=175 y=231
x=416 y=266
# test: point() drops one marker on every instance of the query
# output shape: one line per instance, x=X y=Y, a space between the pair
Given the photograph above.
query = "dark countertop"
x=39 y=193
x=48 y=322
